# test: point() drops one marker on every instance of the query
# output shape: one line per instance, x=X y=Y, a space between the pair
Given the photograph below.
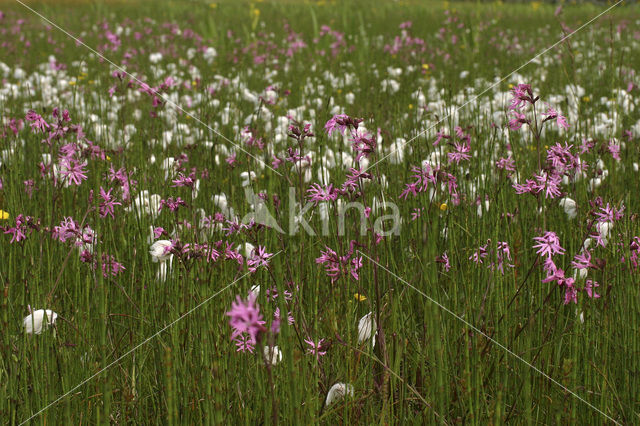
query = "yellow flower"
x=213 y=5
x=410 y=106
x=72 y=83
x=586 y=99
x=443 y=206
x=425 y=66
x=535 y=5
x=360 y=297
x=4 y=215
x=108 y=158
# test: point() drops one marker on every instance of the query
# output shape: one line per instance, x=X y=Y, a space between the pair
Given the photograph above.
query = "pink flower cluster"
x=337 y=266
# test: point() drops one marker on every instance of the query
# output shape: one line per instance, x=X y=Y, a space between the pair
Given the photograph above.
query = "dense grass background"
x=428 y=366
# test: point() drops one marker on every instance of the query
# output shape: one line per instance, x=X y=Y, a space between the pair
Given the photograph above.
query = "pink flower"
x=506 y=164
x=18 y=232
x=276 y=161
x=315 y=348
x=336 y=266
x=108 y=203
x=609 y=214
x=586 y=146
x=72 y=171
x=552 y=114
x=550 y=183
x=439 y=137
x=246 y=319
x=517 y=121
x=570 y=294
x=522 y=94
x=110 y=266
x=172 y=204
x=481 y=253
x=364 y=144
x=259 y=258
x=423 y=176
x=37 y=122
x=590 y=288
x=318 y=193
x=340 y=123
x=460 y=153
x=444 y=259
x=614 y=149
x=582 y=260
x=352 y=182
x=548 y=244
x=183 y=180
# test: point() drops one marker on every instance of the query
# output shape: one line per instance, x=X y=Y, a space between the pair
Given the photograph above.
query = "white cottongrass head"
x=160 y=251
x=569 y=207
x=272 y=354
x=367 y=329
x=255 y=289
x=145 y=203
x=604 y=229
x=38 y=320
x=246 y=249
x=338 y=392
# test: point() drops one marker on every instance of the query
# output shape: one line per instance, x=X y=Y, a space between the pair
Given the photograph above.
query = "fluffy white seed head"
x=39 y=320
x=367 y=328
x=569 y=207
x=337 y=392
x=158 y=251
x=273 y=355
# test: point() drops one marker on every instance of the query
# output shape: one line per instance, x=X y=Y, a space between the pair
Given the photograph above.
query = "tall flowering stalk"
x=522 y=97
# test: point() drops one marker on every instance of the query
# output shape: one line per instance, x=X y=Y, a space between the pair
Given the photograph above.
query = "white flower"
x=337 y=392
x=210 y=54
x=580 y=273
x=604 y=229
x=273 y=355
x=247 y=177
x=34 y=322
x=270 y=96
x=367 y=328
x=350 y=98
x=155 y=57
x=569 y=207
x=145 y=203
x=159 y=252
x=248 y=249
